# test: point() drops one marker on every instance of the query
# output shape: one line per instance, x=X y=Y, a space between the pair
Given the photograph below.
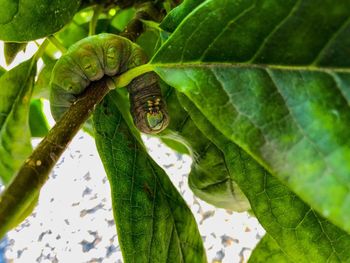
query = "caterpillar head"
x=156 y=120
x=147 y=106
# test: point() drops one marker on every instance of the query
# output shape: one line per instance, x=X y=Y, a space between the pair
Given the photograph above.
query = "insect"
x=107 y=54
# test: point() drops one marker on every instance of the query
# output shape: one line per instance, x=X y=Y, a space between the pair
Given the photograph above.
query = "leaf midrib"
x=199 y=64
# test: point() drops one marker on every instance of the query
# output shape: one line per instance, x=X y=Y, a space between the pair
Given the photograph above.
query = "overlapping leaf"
x=16 y=88
x=209 y=178
x=32 y=19
x=273 y=76
x=154 y=223
x=301 y=233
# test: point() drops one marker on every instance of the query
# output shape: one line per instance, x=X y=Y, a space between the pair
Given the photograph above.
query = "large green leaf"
x=273 y=76
x=32 y=19
x=299 y=231
x=154 y=223
x=16 y=88
x=269 y=251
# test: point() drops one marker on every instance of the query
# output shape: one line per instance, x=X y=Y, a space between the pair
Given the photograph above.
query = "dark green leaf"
x=175 y=17
x=154 y=223
x=16 y=88
x=103 y=26
x=38 y=124
x=28 y=19
x=301 y=233
x=268 y=251
x=11 y=49
x=278 y=88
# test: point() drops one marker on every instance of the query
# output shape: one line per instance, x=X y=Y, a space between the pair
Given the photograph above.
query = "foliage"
x=257 y=92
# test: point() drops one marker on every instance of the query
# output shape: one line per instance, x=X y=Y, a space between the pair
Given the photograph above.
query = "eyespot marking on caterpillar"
x=155 y=120
x=154 y=115
x=106 y=54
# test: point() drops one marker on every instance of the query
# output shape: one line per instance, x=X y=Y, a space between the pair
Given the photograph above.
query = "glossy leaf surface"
x=279 y=89
x=299 y=231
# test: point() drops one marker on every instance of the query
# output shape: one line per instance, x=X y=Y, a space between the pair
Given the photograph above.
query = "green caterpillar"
x=106 y=54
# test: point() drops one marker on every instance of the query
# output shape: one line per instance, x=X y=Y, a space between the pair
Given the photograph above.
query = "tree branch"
x=26 y=185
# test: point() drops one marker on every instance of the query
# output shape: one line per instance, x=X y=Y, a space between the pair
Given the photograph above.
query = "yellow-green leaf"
x=15 y=92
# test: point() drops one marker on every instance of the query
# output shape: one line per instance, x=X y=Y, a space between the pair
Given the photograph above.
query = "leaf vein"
x=277 y=27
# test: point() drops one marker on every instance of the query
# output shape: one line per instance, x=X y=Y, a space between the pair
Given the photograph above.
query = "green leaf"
x=122 y=18
x=11 y=49
x=175 y=17
x=153 y=221
x=278 y=88
x=28 y=19
x=302 y=234
x=39 y=127
x=72 y=33
x=75 y=31
x=175 y=134
x=2 y=71
x=42 y=84
x=209 y=179
x=268 y=251
x=16 y=88
x=150 y=41
x=88 y=127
